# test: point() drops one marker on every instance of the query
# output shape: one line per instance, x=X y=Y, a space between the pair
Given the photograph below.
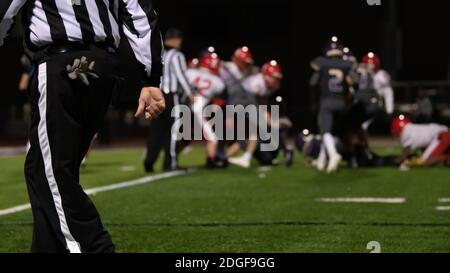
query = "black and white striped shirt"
x=48 y=22
x=175 y=68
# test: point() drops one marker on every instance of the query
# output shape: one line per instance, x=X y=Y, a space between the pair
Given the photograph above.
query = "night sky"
x=412 y=37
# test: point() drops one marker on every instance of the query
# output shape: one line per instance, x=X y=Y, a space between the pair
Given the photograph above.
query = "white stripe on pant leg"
x=173 y=137
x=430 y=149
x=72 y=245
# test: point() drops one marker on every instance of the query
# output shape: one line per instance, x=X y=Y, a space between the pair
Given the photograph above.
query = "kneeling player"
x=433 y=138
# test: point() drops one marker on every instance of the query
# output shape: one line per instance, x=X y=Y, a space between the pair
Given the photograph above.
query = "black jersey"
x=332 y=75
x=365 y=82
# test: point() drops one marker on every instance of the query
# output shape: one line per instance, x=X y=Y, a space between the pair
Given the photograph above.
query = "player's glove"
x=81 y=70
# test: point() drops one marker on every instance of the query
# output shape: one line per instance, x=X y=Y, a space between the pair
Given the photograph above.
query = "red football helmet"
x=210 y=62
x=243 y=57
x=373 y=60
x=272 y=69
x=398 y=124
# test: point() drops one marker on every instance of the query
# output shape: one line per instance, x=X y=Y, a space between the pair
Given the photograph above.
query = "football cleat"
x=333 y=163
x=289 y=157
x=240 y=161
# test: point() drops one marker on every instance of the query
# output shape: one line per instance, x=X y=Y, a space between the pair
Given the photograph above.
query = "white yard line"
x=367 y=200
x=15 y=209
x=443 y=208
x=444 y=200
x=94 y=191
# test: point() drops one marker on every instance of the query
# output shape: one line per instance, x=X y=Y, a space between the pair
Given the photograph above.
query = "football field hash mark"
x=443 y=208
x=366 y=200
x=122 y=185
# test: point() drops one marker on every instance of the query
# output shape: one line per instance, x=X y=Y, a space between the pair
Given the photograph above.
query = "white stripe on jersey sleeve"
x=7 y=21
x=139 y=43
x=179 y=63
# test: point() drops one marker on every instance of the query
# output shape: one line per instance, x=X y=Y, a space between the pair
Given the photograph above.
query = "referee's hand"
x=151 y=103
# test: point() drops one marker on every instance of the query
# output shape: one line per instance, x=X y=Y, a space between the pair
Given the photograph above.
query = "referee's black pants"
x=160 y=137
x=66 y=114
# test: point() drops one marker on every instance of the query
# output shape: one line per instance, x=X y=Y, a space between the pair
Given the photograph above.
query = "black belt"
x=70 y=47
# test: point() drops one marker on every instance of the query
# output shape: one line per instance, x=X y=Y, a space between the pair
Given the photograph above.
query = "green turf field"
x=239 y=210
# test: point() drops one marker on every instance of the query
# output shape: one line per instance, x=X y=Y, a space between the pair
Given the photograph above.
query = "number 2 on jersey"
x=202 y=85
x=335 y=82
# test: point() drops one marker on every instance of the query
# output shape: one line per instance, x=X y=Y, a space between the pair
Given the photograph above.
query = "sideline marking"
x=112 y=187
x=366 y=200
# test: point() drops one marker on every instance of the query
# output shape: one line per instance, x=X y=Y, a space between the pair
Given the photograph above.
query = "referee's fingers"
x=141 y=109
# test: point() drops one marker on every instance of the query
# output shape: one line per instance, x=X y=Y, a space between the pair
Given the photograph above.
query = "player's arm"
x=179 y=63
x=386 y=91
x=141 y=27
x=8 y=12
x=388 y=95
x=315 y=64
x=315 y=78
x=24 y=82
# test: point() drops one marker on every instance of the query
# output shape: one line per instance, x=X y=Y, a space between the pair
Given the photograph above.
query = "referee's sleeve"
x=8 y=12
x=179 y=63
x=140 y=25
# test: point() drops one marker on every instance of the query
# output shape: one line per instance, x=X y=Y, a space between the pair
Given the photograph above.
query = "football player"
x=382 y=81
x=366 y=105
x=334 y=81
x=240 y=67
x=207 y=84
x=433 y=139
x=256 y=86
x=233 y=73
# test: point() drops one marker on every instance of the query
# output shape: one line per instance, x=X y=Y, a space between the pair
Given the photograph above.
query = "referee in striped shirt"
x=73 y=44
x=174 y=84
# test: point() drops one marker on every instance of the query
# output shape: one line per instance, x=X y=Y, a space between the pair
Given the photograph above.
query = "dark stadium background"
x=410 y=36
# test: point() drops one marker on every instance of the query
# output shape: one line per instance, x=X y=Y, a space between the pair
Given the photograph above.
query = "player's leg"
x=245 y=160
x=89 y=107
x=159 y=135
x=44 y=160
x=170 y=139
x=321 y=162
x=438 y=150
x=211 y=144
x=233 y=149
x=94 y=101
x=47 y=235
x=54 y=171
x=154 y=143
x=326 y=118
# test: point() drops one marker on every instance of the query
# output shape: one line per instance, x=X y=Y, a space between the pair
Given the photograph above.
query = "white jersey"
x=382 y=83
x=230 y=73
x=207 y=84
x=256 y=85
x=419 y=136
